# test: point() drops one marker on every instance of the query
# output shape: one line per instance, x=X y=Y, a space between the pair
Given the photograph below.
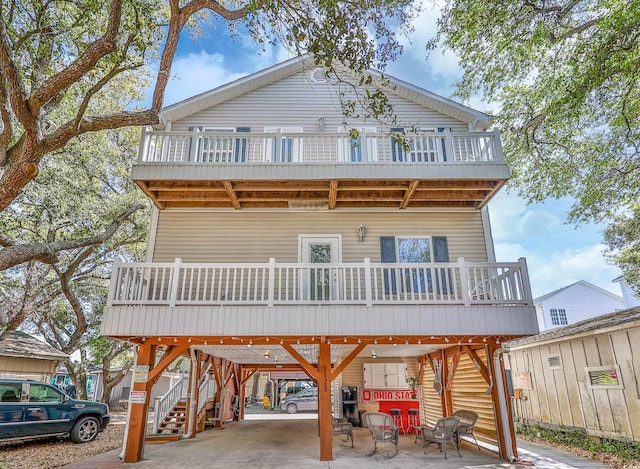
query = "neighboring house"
x=120 y=392
x=25 y=357
x=630 y=298
x=573 y=303
x=583 y=375
x=280 y=242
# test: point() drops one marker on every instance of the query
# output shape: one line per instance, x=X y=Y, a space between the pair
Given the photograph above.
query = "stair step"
x=159 y=439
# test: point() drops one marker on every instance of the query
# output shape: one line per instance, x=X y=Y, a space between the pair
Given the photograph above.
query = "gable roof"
x=19 y=344
x=292 y=66
x=584 y=283
x=617 y=318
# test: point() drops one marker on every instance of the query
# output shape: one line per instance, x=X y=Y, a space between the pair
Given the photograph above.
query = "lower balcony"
x=198 y=299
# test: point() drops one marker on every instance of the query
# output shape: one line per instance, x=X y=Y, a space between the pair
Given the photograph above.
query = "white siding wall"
x=580 y=302
x=245 y=236
x=296 y=102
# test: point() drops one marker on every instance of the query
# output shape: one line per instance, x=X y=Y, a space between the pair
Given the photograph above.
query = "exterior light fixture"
x=250 y=343
x=374 y=354
x=360 y=230
x=266 y=354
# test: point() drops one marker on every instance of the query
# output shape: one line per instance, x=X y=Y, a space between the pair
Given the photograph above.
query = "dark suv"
x=31 y=409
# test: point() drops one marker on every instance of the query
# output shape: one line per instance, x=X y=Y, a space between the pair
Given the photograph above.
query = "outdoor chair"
x=466 y=425
x=382 y=430
x=441 y=434
x=342 y=426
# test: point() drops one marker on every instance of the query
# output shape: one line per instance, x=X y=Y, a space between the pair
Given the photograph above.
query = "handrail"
x=206 y=391
x=164 y=404
x=216 y=147
x=289 y=283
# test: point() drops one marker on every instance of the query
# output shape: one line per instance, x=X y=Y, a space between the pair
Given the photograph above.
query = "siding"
x=564 y=397
x=296 y=102
x=27 y=367
x=239 y=236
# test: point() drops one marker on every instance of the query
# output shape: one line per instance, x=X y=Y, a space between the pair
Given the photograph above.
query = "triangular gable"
x=583 y=283
x=478 y=120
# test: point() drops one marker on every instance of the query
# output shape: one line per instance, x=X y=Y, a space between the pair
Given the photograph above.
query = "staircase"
x=175 y=420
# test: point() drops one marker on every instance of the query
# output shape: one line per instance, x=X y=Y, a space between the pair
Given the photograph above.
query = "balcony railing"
x=290 y=147
x=365 y=283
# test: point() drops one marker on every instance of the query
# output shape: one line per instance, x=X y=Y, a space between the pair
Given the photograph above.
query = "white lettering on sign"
x=375 y=395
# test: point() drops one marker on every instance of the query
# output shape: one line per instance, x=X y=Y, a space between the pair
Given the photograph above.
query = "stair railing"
x=207 y=391
x=164 y=404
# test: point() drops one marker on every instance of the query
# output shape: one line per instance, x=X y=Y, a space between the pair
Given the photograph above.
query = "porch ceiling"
x=320 y=194
x=256 y=353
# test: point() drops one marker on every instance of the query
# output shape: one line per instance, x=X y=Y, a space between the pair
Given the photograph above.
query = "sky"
x=557 y=253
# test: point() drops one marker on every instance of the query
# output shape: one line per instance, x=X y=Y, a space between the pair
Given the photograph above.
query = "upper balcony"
x=323 y=170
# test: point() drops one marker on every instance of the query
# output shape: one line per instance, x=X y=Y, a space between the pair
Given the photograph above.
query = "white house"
x=630 y=299
x=280 y=242
x=573 y=303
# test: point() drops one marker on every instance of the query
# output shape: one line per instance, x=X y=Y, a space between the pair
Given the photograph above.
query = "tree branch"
x=46 y=252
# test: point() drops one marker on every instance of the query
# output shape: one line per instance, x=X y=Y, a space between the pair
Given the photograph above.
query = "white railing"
x=290 y=147
x=164 y=404
x=365 y=283
x=206 y=390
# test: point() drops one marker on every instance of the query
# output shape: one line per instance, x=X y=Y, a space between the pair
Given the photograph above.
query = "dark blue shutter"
x=444 y=149
x=241 y=145
x=388 y=254
x=441 y=254
x=396 y=146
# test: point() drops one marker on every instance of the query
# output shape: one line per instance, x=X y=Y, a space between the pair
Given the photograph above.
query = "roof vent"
x=318 y=75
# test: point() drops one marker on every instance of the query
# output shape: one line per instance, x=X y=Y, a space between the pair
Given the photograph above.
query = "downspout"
x=126 y=427
x=497 y=366
x=192 y=392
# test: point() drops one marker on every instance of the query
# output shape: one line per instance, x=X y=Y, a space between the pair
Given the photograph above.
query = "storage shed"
x=24 y=356
x=584 y=375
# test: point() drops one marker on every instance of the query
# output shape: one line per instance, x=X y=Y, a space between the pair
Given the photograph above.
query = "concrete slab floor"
x=295 y=444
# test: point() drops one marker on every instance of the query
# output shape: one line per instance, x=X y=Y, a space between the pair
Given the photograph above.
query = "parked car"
x=307 y=399
x=31 y=409
x=289 y=388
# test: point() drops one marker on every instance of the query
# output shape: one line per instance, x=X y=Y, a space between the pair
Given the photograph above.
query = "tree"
x=59 y=57
x=566 y=76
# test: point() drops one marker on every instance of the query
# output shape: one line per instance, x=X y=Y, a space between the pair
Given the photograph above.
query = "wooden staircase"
x=175 y=421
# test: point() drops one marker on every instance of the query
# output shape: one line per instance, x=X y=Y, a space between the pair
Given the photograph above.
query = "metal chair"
x=382 y=430
x=441 y=434
x=467 y=423
x=342 y=427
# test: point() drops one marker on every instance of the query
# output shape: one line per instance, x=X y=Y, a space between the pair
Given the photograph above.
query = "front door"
x=319 y=283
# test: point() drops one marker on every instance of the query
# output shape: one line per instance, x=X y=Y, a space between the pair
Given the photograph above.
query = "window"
x=353 y=149
x=554 y=362
x=290 y=148
x=604 y=377
x=424 y=146
x=43 y=393
x=558 y=316
x=10 y=392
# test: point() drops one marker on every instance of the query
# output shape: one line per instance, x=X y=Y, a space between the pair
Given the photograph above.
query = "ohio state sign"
x=375 y=395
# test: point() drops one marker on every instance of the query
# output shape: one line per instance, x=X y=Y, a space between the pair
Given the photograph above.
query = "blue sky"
x=557 y=253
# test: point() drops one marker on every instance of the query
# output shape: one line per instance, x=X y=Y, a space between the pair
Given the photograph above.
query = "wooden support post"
x=192 y=407
x=501 y=424
x=138 y=413
x=324 y=401
x=445 y=397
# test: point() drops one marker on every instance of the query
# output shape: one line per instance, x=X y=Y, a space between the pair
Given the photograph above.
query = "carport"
x=454 y=372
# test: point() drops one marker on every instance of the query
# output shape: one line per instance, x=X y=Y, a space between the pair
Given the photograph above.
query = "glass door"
x=319 y=283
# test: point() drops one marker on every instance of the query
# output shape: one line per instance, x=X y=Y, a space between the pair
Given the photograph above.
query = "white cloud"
x=195 y=73
x=554 y=269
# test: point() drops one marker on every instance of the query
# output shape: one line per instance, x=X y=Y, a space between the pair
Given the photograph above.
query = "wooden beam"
x=134 y=446
x=500 y=423
x=170 y=355
x=324 y=401
x=333 y=193
x=454 y=367
x=348 y=359
x=308 y=367
x=407 y=196
x=476 y=359
x=232 y=195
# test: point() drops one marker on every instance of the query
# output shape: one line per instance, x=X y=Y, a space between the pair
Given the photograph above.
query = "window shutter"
x=396 y=146
x=241 y=145
x=441 y=254
x=388 y=254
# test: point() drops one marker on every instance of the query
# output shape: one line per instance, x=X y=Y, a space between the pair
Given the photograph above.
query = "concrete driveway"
x=294 y=443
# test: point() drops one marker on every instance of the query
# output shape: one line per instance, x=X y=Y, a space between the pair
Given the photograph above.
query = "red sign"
x=375 y=395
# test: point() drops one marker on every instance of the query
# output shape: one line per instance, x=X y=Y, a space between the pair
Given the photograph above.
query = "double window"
x=558 y=316
x=423 y=146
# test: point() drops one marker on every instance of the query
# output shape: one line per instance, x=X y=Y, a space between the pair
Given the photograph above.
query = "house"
x=280 y=242
x=582 y=375
x=630 y=298
x=23 y=356
x=573 y=303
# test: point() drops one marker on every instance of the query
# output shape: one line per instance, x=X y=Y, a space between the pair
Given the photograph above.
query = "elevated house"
x=280 y=242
